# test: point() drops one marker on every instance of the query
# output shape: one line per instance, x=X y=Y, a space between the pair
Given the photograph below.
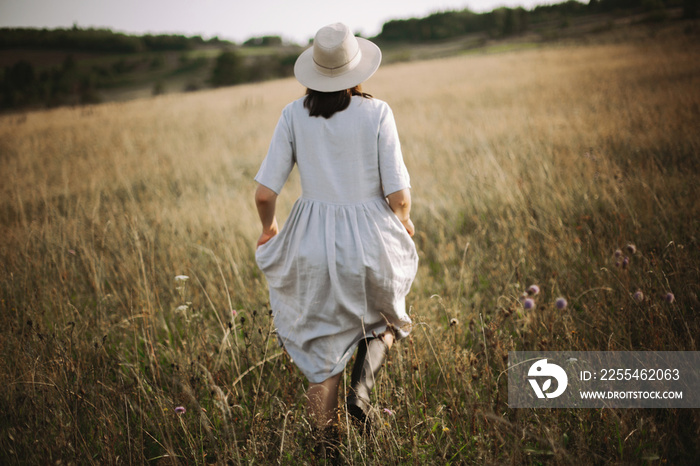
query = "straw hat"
x=337 y=60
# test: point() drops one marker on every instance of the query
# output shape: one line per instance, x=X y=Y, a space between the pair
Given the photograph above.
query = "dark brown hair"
x=325 y=104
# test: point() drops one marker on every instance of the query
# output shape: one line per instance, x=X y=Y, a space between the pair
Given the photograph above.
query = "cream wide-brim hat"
x=337 y=60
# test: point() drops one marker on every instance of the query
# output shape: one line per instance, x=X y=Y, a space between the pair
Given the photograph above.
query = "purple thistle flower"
x=529 y=303
x=638 y=296
x=625 y=262
x=533 y=290
x=618 y=252
x=669 y=298
x=560 y=303
x=180 y=410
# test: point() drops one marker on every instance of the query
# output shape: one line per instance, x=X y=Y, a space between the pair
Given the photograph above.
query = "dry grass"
x=527 y=167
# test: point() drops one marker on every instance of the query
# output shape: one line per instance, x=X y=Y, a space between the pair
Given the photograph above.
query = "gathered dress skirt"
x=337 y=273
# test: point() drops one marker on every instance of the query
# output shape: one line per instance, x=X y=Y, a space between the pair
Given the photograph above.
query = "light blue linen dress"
x=342 y=264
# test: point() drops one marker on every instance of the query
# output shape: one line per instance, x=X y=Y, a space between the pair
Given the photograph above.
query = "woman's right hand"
x=268 y=234
x=265 y=200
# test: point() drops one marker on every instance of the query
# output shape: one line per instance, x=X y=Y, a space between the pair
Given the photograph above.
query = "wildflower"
x=638 y=296
x=445 y=429
x=529 y=303
x=618 y=252
x=180 y=410
x=560 y=303
x=388 y=411
x=181 y=278
x=533 y=290
x=182 y=308
x=669 y=298
x=453 y=322
x=631 y=248
x=625 y=262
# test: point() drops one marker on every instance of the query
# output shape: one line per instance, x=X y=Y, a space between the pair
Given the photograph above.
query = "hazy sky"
x=237 y=20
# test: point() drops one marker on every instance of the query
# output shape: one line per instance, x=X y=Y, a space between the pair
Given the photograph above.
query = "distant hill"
x=45 y=68
x=98 y=40
x=504 y=22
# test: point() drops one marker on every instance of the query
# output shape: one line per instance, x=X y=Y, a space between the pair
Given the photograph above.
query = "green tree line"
x=73 y=82
x=97 y=40
x=231 y=68
x=23 y=85
x=503 y=22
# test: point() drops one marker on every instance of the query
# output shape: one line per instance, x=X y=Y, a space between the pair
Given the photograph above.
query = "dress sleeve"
x=279 y=161
x=392 y=169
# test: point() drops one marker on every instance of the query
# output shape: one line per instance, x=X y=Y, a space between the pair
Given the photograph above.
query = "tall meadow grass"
x=529 y=167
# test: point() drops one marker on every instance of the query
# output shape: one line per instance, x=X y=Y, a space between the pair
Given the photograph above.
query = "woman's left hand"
x=408 y=224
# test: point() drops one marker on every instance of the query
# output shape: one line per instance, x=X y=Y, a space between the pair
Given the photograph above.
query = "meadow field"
x=129 y=288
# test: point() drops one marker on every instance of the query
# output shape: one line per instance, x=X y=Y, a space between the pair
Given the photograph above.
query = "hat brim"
x=307 y=75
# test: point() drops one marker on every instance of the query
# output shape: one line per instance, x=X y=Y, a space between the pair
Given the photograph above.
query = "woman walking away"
x=340 y=268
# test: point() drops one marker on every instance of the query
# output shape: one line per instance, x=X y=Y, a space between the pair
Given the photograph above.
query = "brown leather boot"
x=371 y=354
